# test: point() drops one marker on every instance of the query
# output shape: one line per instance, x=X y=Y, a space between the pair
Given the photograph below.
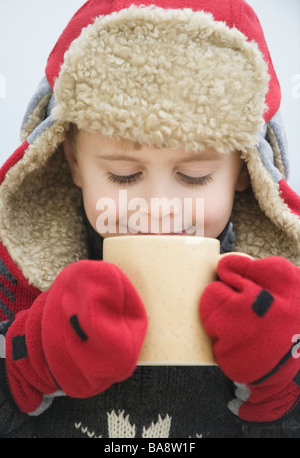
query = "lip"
x=162 y=233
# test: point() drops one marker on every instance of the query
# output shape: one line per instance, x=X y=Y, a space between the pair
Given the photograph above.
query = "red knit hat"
x=235 y=13
x=189 y=74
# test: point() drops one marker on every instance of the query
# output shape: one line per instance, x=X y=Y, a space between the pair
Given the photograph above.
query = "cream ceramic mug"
x=170 y=273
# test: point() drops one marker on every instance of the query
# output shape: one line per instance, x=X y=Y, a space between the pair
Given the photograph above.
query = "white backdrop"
x=29 y=30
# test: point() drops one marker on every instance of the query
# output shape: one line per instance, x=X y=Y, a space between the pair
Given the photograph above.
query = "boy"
x=162 y=101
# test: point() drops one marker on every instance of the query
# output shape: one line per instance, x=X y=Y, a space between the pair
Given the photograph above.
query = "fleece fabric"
x=188 y=74
x=155 y=402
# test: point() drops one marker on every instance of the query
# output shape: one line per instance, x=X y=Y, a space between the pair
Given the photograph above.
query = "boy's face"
x=163 y=190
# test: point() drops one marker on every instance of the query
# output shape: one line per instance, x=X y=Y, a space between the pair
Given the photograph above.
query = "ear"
x=73 y=163
x=243 y=179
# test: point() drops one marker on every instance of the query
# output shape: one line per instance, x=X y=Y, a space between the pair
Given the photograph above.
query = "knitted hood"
x=188 y=73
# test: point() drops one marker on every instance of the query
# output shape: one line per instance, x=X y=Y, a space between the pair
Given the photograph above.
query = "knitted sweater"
x=188 y=74
x=155 y=402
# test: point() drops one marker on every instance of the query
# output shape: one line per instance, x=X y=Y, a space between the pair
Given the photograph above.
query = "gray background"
x=29 y=30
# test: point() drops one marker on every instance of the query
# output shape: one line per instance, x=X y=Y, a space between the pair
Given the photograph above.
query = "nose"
x=160 y=207
x=161 y=197
x=164 y=209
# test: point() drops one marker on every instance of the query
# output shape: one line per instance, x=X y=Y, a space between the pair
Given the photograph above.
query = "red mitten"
x=78 y=338
x=252 y=314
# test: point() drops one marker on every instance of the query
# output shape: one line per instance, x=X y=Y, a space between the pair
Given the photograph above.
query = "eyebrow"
x=205 y=156
x=117 y=157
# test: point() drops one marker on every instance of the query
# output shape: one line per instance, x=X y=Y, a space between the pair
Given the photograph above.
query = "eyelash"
x=131 y=179
x=120 y=179
x=195 y=181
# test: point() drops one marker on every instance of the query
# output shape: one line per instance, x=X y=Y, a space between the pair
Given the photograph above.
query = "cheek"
x=99 y=200
x=106 y=207
x=90 y=206
x=217 y=210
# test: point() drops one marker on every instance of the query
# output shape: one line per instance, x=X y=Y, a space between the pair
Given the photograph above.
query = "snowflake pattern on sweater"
x=119 y=426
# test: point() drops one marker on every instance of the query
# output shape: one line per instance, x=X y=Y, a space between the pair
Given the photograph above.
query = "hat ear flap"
x=277 y=139
x=266 y=216
x=38 y=109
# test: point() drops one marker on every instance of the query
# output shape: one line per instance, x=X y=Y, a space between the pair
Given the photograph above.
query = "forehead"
x=122 y=149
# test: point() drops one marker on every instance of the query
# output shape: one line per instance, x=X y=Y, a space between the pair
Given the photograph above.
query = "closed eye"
x=133 y=178
x=123 y=179
x=195 y=181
